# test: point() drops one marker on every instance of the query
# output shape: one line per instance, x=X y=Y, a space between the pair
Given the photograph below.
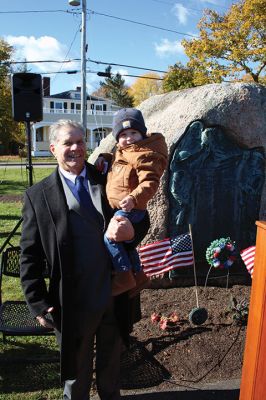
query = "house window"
x=99 y=133
x=65 y=107
x=77 y=96
x=51 y=106
x=39 y=135
x=58 y=106
x=99 y=107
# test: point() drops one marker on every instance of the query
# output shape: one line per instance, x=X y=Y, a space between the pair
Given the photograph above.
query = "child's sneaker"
x=142 y=282
x=122 y=282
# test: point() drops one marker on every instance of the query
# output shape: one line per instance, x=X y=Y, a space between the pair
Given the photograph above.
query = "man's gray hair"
x=62 y=123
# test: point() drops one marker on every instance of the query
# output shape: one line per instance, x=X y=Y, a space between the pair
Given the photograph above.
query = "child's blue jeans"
x=125 y=260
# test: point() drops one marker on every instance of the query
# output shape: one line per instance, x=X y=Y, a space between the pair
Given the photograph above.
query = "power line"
x=133 y=76
x=78 y=59
x=124 y=65
x=68 y=51
x=47 y=73
x=104 y=15
x=90 y=72
x=142 y=23
x=37 y=11
x=74 y=71
x=39 y=61
x=70 y=72
x=142 y=77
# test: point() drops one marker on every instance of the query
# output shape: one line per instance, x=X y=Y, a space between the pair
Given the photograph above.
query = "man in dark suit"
x=64 y=219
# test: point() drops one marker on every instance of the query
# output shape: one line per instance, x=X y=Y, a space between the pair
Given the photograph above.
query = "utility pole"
x=83 y=68
x=83 y=61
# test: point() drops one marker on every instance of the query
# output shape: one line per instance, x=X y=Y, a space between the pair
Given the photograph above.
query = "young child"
x=133 y=179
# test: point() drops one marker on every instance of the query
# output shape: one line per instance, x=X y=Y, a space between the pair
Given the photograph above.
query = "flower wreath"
x=221 y=253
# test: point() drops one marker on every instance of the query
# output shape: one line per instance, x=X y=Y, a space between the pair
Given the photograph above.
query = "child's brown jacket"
x=136 y=171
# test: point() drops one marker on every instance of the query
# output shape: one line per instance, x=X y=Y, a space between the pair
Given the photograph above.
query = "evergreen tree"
x=115 y=89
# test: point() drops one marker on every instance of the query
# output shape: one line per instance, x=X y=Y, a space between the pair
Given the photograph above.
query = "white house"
x=67 y=105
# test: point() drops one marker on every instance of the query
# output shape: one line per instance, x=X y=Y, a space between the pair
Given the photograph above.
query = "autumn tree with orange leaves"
x=145 y=86
x=230 y=45
x=11 y=132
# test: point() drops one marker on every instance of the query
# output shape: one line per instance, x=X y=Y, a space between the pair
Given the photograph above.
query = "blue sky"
x=111 y=39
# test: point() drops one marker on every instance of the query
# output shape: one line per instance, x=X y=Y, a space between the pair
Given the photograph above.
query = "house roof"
x=67 y=95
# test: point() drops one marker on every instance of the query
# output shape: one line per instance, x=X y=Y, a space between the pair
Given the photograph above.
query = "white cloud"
x=181 y=13
x=216 y=2
x=42 y=48
x=91 y=87
x=166 y=48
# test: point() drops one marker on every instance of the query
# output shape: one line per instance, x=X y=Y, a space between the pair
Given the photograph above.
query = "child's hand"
x=127 y=203
x=100 y=163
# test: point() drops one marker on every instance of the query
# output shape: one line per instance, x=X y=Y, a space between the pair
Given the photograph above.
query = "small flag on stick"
x=166 y=255
x=248 y=256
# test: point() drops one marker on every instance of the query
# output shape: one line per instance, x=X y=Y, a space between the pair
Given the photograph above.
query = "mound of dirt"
x=210 y=352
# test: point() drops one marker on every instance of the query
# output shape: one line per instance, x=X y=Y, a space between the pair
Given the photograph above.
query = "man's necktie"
x=85 y=200
x=84 y=197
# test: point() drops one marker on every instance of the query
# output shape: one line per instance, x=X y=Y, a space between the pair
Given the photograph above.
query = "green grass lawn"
x=10 y=214
x=14 y=181
x=29 y=368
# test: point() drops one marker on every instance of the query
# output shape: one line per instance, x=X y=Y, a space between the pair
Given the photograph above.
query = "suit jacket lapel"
x=57 y=205
x=95 y=191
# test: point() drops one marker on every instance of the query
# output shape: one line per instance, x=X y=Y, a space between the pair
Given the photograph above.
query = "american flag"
x=166 y=255
x=248 y=256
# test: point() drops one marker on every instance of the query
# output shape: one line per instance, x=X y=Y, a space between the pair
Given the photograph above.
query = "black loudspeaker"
x=27 y=97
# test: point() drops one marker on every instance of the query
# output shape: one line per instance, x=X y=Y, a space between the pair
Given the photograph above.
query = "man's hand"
x=101 y=164
x=120 y=229
x=44 y=321
x=127 y=203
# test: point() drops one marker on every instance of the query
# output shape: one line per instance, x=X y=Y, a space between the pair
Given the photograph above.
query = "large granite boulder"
x=239 y=108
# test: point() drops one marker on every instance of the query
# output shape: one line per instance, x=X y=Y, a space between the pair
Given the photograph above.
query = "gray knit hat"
x=128 y=118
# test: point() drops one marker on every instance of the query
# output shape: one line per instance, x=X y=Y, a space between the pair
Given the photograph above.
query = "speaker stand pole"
x=29 y=164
